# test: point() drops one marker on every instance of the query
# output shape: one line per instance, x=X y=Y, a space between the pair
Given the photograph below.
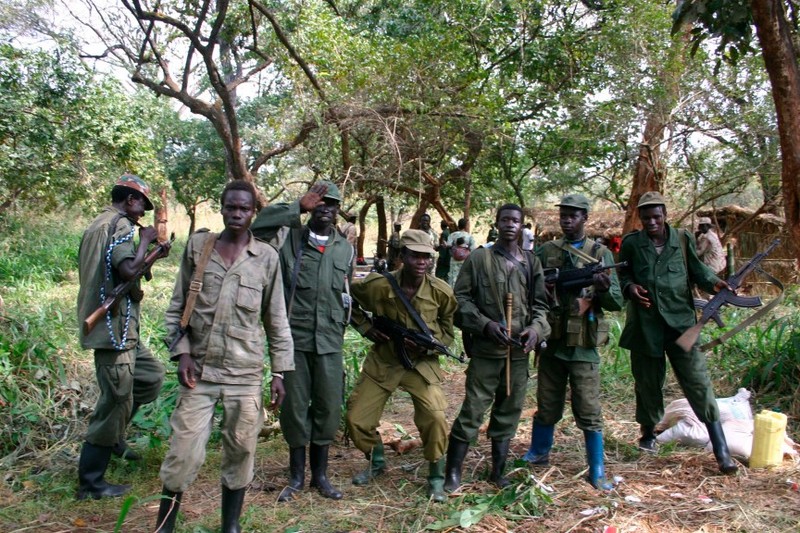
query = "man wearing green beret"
x=317 y=267
x=578 y=328
x=433 y=302
x=127 y=373
x=662 y=267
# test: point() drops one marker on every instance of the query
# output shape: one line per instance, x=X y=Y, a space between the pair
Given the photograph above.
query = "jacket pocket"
x=244 y=347
x=248 y=295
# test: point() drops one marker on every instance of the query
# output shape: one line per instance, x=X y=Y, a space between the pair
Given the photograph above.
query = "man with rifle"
x=578 y=328
x=662 y=267
x=416 y=300
x=128 y=375
x=502 y=308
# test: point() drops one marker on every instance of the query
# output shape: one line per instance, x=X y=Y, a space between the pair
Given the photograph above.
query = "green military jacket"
x=575 y=337
x=91 y=271
x=319 y=314
x=480 y=290
x=435 y=303
x=234 y=309
x=668 y=283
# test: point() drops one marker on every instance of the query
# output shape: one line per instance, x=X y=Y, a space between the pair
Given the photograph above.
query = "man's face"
x=238 y=208
x=135 y=208
x=704 y=228
x=415 y=263
x=323 y=216
x=509 y=224
x=653 y=218
x=425 y=223
x=571 y=221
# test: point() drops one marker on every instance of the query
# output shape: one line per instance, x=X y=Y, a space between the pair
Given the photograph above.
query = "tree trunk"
x=160 y=215
x=468 y=201
x=780 y=59
x=362 y=227
x=382 y=235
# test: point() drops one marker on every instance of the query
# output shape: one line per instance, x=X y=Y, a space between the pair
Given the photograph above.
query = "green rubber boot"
x=377 y=464
x=436 y=481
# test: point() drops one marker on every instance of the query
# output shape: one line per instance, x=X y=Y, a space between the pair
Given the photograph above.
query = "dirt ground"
x=678 y=490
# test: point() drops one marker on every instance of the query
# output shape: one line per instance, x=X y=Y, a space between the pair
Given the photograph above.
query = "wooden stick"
x=509 y=310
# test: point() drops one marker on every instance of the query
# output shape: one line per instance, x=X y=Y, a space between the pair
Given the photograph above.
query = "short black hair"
x=508 y=207
x=238 y=185
x=462 y=223
x=120 y=193
x=423 y=215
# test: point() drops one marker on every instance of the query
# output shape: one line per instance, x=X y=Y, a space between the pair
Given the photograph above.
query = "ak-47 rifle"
x=577 y=278
x=398 y=333
x=123 y=288
x=725 y=297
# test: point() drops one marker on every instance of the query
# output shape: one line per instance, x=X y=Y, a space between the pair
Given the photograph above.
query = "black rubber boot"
x=232 y=501
x=121 y=449
x=499 y=456
x=456 y=451
x=319 y=472
x=726 y=464
x=168 y=511
x=297 y=473
x=648 y=441
x=91 y=474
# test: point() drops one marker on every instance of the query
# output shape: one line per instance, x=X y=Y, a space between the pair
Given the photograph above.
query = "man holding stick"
x=497 y=374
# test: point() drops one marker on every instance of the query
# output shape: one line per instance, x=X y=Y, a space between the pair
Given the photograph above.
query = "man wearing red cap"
x=127 y=373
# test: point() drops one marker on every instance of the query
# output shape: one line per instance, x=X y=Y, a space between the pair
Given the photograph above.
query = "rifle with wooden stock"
x=398 y=333
x=123 y=288
x=727 y=297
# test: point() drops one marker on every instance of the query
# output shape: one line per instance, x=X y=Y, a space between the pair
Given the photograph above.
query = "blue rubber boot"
x=594 y=455
x=541 y=442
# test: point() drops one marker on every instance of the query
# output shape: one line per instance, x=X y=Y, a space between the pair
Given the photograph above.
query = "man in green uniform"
x=662 y=267
x=127 y=373
x=578 y=327
x=382 y=373
x=317 y=266
x=221 y=356
x=487 y=277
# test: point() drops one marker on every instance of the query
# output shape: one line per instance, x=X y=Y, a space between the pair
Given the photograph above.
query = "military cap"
x=333 y=191
x=578 y=201
x=417 y=240
x=136 y=183
x=651 y=198
x=703 y=220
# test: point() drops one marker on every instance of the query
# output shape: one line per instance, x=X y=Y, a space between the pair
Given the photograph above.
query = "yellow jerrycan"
x=770 y=430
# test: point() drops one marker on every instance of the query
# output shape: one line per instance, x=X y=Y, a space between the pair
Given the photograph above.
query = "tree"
x=730 y=22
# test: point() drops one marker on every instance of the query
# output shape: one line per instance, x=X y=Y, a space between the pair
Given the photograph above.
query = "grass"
x=47 y=392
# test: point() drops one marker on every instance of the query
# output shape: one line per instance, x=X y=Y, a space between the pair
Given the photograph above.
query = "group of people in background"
x=271 y=283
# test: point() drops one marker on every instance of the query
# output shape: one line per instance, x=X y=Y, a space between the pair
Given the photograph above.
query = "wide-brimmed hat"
x=578 y=201
x=136 y=183
x=651 y=198
x=417 y=240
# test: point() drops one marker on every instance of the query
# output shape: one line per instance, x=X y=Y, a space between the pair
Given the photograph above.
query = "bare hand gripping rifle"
x=398 y=333
x=728 y=297
x=123 y=288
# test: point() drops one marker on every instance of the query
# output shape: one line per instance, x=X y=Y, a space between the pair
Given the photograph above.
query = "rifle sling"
x=752 y=318
x=580 y=254
x=527 y=272
x=410 y=308
x=197 y=279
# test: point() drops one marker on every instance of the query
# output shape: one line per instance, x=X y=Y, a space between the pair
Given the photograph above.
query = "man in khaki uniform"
x=383 y=373
x=221 y=357
x=127 y=373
